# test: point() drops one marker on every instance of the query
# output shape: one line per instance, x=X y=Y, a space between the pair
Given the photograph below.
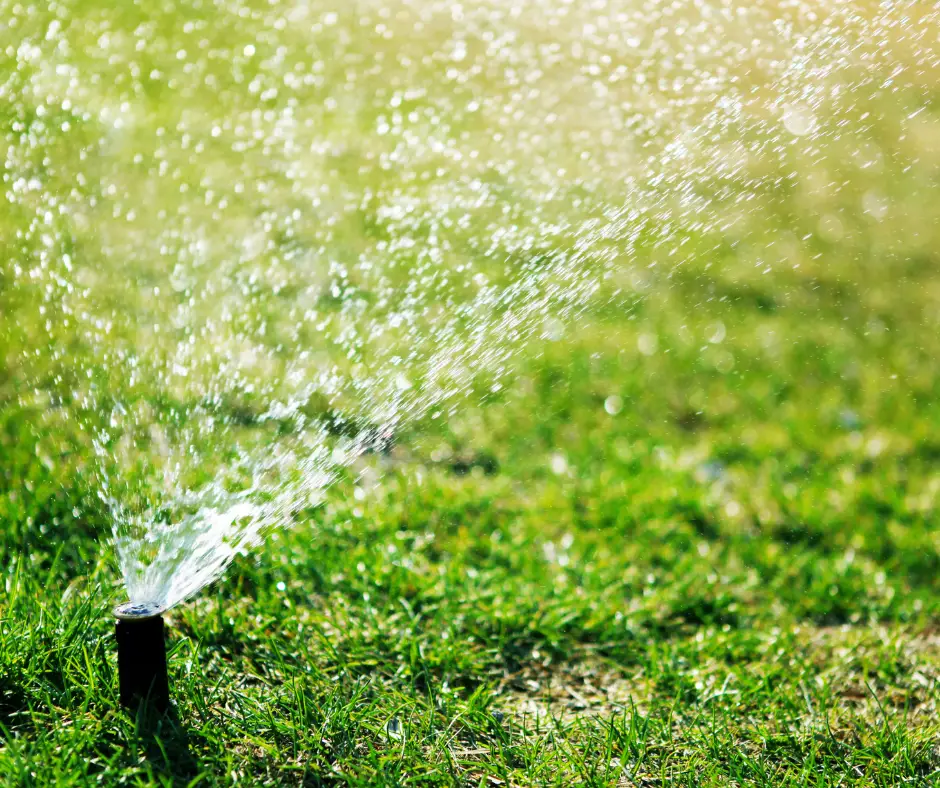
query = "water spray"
x=141 y=643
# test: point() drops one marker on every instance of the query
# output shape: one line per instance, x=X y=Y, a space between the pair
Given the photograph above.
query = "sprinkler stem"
x=141 y=642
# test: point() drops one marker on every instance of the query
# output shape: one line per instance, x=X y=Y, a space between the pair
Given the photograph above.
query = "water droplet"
x=717 y=332
x=875 y=205
x=799 y=119
x=647 y=344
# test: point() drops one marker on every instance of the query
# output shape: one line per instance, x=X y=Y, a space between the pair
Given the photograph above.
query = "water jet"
x=141 y=644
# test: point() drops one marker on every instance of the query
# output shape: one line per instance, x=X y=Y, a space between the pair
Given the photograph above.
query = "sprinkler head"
x=141 y=642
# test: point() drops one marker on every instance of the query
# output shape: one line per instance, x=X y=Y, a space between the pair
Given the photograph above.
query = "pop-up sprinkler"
x=141 y=645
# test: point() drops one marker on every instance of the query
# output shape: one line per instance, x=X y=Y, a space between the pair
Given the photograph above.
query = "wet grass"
x=732 y=579
x=692 y=541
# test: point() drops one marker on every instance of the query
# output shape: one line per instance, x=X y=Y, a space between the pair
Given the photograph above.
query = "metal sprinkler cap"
x=137 y=611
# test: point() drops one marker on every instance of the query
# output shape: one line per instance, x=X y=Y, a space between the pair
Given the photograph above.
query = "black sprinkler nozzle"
x=141 y=642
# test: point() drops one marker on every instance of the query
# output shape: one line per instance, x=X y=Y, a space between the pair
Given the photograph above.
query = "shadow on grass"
x=14 y=704
x=166 y=743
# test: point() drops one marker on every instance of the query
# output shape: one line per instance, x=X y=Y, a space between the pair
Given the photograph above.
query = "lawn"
x=684 y=532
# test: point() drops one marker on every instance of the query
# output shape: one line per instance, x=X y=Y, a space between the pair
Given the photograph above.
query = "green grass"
x=694 y=541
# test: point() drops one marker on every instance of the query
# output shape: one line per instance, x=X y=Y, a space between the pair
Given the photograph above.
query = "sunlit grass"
x=692 y=537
